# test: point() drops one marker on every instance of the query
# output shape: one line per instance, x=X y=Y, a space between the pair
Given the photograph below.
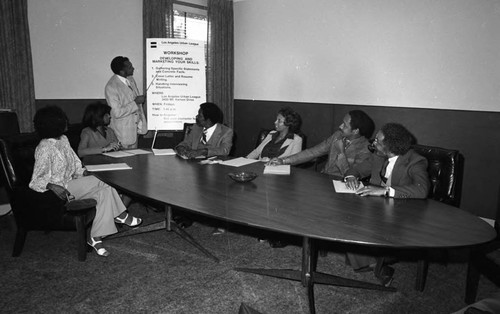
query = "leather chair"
x=445 y=168
x=38 y=211
x=187 y=129
x=9 y=125
x=486 y=261
x=261 y=136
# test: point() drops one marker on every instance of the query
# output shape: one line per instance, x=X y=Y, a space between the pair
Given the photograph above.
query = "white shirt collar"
x=124 y=80
x=210 y=131
x=390 y=166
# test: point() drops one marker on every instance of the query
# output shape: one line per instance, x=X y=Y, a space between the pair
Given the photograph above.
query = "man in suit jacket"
x=122 y=95
x=396 y=171
x=209 y=137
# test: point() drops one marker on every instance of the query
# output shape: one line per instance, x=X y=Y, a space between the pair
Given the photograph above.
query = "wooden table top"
x=303 y=203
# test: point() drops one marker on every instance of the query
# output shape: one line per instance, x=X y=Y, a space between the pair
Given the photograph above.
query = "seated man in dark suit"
x=396 y=171
x=209 y=137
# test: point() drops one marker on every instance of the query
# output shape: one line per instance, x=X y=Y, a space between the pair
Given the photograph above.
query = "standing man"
x=122 y=95
x=346 y=148
x=209 y=137
x=396 y=171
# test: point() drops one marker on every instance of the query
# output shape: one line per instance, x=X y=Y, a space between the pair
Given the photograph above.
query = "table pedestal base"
x=169 y=225
x=308 y=275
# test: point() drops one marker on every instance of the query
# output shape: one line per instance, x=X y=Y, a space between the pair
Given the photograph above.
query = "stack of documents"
x=237 y=162
x=126 y=153
x=165 y=151
x=340 y=187
x=108 y=167
x=279 y=169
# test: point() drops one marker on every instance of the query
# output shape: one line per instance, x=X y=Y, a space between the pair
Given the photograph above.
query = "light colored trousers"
x=109 y=205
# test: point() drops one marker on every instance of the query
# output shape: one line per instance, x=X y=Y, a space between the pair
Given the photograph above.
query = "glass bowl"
x=242 y=176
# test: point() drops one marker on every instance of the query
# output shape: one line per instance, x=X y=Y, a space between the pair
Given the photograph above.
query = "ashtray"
x=242 y=176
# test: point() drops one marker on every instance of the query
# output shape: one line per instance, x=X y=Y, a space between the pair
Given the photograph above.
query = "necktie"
x=130 y=86
x=204 y=137
x=383 y=171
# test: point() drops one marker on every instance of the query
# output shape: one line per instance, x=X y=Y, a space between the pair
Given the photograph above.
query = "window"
x=190 y=26
x=190 y=20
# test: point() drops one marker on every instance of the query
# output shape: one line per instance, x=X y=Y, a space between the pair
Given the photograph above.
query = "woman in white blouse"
x=58 y=168
x=283 y=141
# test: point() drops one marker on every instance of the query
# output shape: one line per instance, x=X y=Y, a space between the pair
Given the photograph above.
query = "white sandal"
x=101 y=251
x=135 y=221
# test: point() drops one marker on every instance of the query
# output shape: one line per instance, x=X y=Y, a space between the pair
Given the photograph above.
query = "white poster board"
x=175 y=76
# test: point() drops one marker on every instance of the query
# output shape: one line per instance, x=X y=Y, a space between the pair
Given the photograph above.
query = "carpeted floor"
x=158 y=272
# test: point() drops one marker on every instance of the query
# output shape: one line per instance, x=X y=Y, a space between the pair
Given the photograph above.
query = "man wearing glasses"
x=396 y=171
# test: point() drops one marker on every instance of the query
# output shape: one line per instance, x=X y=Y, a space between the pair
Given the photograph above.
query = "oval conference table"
x=303 y=203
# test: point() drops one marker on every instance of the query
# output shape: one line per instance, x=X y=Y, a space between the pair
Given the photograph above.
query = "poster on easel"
x=176 y=82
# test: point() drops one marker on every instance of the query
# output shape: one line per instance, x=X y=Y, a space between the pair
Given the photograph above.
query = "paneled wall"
x=475 y=134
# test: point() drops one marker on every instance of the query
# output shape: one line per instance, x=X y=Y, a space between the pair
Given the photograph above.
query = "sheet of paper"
x=238 y=162
x=340 y=187
x=118 y=154
x=278 y=169
x=164 y=151
x=138 y=151
x=108 y=167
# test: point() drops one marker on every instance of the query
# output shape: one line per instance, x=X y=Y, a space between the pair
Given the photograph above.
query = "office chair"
x=38 y=211
x=445 y=168
x=9 y=124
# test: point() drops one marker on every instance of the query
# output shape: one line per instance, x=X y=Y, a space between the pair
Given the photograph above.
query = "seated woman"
x=58 y=168
x=96 y=137
x=283 y=141
x=280 y=143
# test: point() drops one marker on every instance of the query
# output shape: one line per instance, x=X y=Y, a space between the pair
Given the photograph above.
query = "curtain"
x=17 y=88
x=220 y=68
x=157 y=22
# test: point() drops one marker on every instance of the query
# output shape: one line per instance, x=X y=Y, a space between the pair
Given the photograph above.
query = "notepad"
x=340 y=187
x=138 y=151
x=278 y=169
x=118 y=154
x=238 y=162
x=164 y=151
x=108 y=167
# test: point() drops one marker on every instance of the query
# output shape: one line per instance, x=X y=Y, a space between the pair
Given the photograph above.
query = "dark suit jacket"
x=219 y=144
x=409 y=176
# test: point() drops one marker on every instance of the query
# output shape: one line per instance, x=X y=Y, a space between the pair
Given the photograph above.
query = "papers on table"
x=126 y=153
x=340 y=187
x=138 y=151
x=278 y=169
x=165 y=151
x=238 y=162
x=117 y=154
x=108 y=167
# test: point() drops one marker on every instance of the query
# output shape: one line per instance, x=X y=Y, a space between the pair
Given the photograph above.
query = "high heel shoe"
x=100 y=251
x=135 y=221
